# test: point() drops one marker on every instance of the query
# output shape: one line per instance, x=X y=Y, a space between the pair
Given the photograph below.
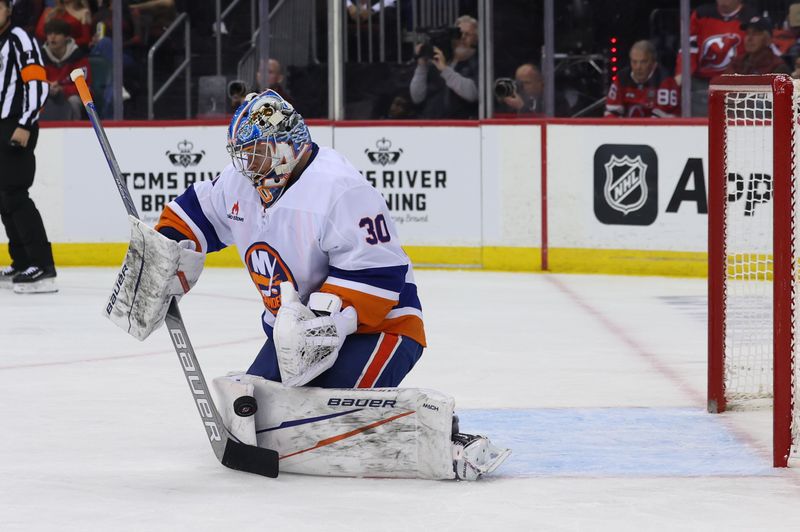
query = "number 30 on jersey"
x=376 y=228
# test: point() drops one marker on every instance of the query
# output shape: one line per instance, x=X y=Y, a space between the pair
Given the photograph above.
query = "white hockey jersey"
x=331 y=231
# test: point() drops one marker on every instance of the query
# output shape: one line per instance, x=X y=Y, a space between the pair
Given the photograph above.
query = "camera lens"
x=504 y=87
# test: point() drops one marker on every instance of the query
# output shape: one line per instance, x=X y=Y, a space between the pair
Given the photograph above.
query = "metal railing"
x=361 y=13
x=592 y=65
x=283 y=18
x=222 y=15
x=152 y=98
x=434 y=13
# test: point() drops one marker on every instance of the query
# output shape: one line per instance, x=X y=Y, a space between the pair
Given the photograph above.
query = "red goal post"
x=751 y=250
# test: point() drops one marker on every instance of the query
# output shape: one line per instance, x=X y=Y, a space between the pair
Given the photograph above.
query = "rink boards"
x=584 y=196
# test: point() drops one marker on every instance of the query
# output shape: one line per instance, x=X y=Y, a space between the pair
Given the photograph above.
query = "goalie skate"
x=475 y=456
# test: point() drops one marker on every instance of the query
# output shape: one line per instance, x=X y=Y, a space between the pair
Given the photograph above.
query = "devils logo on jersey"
x=268 y=271
x=719 y=50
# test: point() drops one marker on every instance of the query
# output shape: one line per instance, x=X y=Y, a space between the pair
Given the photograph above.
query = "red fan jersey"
x=659 y=96
x=714 y=40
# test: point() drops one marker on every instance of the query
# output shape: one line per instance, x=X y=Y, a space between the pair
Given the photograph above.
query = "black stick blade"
x=250 y=459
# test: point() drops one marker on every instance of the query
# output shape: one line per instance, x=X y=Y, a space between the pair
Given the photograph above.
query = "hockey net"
x=752 y=251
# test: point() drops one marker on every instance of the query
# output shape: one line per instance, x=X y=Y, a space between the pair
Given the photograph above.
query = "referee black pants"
x=27 y=240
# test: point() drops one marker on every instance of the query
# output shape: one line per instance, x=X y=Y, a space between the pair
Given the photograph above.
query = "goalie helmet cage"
x=751 y=250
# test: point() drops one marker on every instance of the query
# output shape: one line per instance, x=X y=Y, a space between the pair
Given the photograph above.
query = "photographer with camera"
x=644 y=89
x=450 y=90
x=522 y=95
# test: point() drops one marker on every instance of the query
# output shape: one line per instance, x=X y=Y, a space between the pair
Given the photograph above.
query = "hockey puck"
x=245 y=406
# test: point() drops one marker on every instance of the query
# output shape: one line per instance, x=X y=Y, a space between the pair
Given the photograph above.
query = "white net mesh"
x=748 y=221
x=748 y=242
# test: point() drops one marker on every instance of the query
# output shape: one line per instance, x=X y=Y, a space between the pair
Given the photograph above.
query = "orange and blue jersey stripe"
x=190 y=205
x=385 y=348
x=384 y=301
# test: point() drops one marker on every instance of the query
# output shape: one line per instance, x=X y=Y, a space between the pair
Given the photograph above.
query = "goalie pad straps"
x=381 y=432
x=155 y=270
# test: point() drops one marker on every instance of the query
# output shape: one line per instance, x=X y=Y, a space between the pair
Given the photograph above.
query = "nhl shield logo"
x=625 y=188
x=625 y=184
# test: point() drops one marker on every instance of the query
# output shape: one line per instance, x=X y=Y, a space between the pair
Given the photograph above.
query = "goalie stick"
x=229 y=451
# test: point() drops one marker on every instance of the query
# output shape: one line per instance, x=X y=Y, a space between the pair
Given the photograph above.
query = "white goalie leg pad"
x=155 y=270
x=240 y=422
x=378 y=432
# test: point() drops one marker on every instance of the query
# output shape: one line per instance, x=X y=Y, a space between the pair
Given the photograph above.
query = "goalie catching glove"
x=308 y=338
x=155 y=270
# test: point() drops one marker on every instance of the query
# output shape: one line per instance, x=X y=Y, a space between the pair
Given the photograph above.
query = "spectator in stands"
x=155 y=16
x=759 y=57
x=715 y=38
x=528 y=92
x=787 y=39
x=401 y=108
x=62 y=56
x=103 y=24
x=237 y=90
x=796 y=72
x=26 y=14
x=450 y=90
x=362 y=9
x=275 y=79
x=644 y=89
x=76 y=13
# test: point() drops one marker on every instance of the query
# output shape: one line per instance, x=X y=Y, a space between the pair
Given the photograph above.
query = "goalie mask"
x=266 y=139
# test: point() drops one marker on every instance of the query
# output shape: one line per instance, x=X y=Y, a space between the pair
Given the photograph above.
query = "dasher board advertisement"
x=430 y=178
x=157 y=163
x=632 y=187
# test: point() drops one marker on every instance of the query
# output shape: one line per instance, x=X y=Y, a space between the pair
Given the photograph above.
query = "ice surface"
x=596 y=382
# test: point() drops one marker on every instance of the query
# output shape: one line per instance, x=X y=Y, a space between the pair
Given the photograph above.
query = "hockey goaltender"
x=342 y=317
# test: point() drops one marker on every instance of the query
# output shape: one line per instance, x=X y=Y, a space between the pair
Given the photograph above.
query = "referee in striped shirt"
x=23 y=91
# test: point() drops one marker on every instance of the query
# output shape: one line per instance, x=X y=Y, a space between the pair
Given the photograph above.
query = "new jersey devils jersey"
x=658 y=96
x=714 y=40
x=331 y=231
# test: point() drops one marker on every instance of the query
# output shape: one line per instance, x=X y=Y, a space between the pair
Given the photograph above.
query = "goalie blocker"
x=377 y=432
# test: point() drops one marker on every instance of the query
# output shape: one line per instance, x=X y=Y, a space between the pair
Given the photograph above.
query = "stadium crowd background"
x=592 y=42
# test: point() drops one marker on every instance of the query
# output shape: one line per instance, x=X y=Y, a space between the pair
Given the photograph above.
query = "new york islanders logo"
x=268 y=271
